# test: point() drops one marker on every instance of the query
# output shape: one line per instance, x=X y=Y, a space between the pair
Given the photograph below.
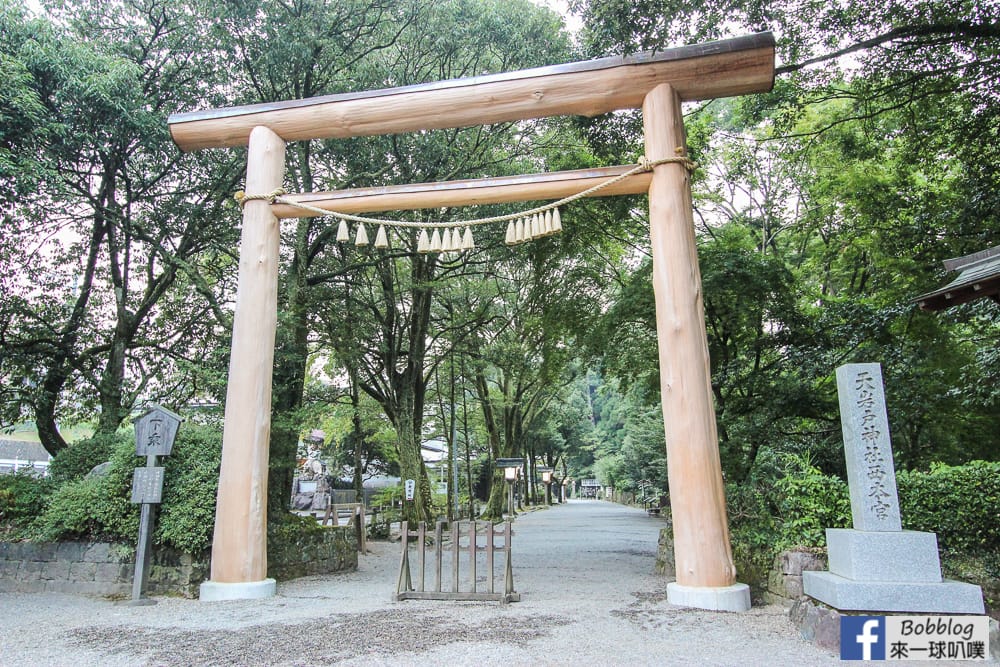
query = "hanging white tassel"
x=556 y=222
x=436 y=241
x=343 y=233
x=536 y=226
x=423 y=242
x=468 y=243
x=362 y=237
x=454 y=240
x=381 y=239
x=519 y=234
x=511 y=234
x=547 y=224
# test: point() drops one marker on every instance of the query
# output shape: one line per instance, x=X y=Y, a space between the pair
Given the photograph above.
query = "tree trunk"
x=109 y=389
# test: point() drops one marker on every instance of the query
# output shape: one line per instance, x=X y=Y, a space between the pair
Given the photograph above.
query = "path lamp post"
x=511 y=468
x=547 y=480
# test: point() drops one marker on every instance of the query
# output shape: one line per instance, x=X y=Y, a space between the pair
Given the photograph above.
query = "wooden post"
x=456 y=535
x=239 y=547
x=473 y=539
x=697 y=495
x=438 y=535
x=489 y=551
x=421 y=552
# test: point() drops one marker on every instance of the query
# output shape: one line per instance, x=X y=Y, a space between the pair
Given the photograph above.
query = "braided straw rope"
x=275 y=197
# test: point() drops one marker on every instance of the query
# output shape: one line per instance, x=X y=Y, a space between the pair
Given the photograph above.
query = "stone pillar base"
x=946 y=597
x=212 y=591
x=723 y=598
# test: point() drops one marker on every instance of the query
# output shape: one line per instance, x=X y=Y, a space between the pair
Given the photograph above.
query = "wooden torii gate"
x=655 y=82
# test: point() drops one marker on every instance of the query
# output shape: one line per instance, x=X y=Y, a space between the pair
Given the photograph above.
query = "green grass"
x=28 y=433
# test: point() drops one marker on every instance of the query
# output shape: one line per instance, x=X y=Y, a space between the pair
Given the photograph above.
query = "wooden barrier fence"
x=471 y=530
x=355 y=513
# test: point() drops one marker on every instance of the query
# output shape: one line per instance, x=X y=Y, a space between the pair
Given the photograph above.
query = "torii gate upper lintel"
x=658 y=84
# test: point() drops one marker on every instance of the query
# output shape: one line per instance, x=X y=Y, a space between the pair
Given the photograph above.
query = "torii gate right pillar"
x=706 y=576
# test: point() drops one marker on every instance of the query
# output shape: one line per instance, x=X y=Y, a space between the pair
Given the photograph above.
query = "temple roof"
x=979 y=276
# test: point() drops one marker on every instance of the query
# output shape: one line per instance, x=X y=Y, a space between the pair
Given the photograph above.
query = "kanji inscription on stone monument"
x=867 y=448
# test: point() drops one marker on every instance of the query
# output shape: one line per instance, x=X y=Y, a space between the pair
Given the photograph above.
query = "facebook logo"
x=862 y=637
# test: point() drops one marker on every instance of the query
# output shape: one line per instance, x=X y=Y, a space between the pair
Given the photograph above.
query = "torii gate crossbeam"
x=658 y=84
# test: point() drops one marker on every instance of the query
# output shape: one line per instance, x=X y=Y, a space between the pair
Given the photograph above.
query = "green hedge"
x=80 y=457
x=100 y=508
x=959 y=503
x=23 y=497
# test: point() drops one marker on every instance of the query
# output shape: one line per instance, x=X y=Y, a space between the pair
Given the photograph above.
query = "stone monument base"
x=863 y=555
x=213 y=591
x=722 y=598
x=884 y=571
x=945 y=597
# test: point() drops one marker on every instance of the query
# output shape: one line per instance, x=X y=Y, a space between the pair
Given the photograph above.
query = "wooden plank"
x=489 y=553
x=697 y=494
x=473 y=540
x=456 y=535
x=700 y=71
x=421 y=551
x=508 y=566
x=438 y=529
x=403 y=583
x=433 y=595
x=364 y=529
x=239 y=544
x=469 y=192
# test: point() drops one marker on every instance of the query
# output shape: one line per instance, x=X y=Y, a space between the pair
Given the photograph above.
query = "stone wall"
x=95 y=568
x=784 y=582
x=665 y=554
x=101 y=568
x=332 y=549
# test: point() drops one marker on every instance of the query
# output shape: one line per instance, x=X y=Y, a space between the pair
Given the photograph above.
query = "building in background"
x=18 y=455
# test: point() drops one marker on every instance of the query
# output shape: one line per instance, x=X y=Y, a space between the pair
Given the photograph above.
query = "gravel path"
x=588 y=595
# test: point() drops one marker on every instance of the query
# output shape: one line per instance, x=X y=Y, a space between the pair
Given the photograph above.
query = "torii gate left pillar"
x=657 y=83
x=239 y=545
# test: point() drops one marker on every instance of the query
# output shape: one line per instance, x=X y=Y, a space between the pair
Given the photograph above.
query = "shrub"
x=753 y=531
x=290 y=528
x=75 y=510
x=101 y=508
x=959 y=503
x=808 y=502
x=187 y=516
x=95 y=508
x=23 y=496
x=80 y=457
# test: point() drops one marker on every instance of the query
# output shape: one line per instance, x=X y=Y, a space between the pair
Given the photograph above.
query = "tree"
x=338 y=46
x=117 y=230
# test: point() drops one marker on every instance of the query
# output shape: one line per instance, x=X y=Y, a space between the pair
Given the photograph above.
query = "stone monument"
x=878 y=566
